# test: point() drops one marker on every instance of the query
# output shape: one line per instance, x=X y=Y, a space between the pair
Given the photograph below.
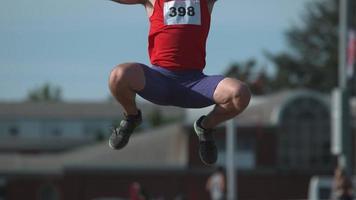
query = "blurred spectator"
x=342 y=185
x=137 y=193
x=216 y=184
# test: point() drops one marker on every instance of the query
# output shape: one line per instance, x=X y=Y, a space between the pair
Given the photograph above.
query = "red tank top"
x=178 y=33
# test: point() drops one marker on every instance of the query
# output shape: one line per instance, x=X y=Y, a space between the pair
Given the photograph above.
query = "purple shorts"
x=187 y=89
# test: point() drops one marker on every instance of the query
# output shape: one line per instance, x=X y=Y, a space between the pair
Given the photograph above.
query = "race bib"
x=182 y=12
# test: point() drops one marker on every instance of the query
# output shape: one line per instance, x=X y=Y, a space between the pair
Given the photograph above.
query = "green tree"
x=312 y=59
x=45 y=93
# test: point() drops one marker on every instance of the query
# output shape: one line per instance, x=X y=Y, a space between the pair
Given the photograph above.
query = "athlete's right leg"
x=124 y=82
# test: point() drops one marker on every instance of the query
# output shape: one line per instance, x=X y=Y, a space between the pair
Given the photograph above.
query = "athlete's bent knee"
x=242 y=95
x=119 y=73
x=127 y=74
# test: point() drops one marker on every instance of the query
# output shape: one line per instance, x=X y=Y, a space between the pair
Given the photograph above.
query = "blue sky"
x=75 y=44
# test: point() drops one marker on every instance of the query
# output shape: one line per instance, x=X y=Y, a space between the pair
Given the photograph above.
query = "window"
x=53 y=128
x=304 y=131
x=245 y=157
x=14 y=131
x=56 y=132
x=96 y=129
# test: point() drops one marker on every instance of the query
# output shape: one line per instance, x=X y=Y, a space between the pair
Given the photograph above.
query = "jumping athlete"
x=176 y=46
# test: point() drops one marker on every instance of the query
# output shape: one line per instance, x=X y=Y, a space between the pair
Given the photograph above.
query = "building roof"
x=74 y=110
x=266 y=110
x=58 y=110
x=263 y=110
x=165 y=147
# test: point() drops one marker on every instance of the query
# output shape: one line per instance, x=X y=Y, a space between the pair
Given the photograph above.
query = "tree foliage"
x=252 y=74
x=45 y=93
x=312 y=59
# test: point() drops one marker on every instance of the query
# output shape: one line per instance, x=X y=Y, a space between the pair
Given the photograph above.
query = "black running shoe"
x=207 y=148
x=120 y=136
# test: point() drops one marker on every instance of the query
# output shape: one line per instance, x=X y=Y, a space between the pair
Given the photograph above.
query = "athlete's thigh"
x=131 y=73
x=159 y=89
x=204 y=90
x=194 y=90
x=186 y=91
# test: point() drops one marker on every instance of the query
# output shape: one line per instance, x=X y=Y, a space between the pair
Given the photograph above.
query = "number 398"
x=181 y=11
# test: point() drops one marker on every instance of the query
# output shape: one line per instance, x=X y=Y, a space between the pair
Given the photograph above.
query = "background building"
x=57 y=126
x=282 y=141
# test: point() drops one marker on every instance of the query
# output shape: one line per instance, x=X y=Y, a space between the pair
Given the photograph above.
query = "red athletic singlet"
x=178 y=33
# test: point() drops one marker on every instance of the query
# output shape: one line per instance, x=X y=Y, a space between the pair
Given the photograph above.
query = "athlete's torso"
x=178 y=33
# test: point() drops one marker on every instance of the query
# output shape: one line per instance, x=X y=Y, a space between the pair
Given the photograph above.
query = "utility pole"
x=341 y=134
x=231 y=169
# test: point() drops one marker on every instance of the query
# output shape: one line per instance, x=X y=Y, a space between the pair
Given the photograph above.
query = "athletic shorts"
x=187 y=88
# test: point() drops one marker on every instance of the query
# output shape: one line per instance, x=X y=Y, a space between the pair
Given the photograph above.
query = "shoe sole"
x=110 y=145
x=207 y=164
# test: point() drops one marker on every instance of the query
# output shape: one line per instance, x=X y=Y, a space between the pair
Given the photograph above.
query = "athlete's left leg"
x=231 y=97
